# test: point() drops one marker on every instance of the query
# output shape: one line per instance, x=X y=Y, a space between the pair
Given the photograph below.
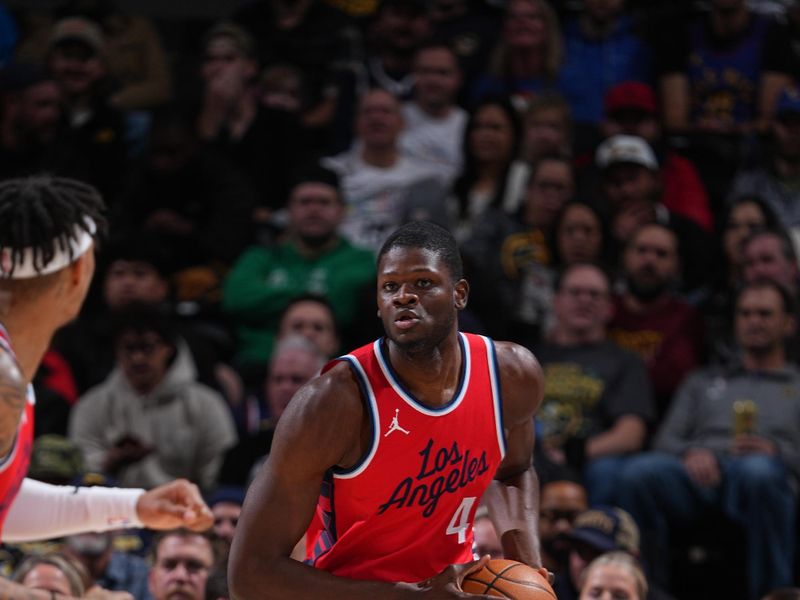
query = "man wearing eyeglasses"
x=597 y=396
x=151 y=420
x=181 y=562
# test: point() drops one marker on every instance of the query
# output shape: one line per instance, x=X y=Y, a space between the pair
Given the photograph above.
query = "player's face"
x=181 y=568
x=417 y=298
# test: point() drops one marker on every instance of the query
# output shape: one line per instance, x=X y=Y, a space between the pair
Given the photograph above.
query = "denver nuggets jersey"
x=405 y=512
x=14 y=465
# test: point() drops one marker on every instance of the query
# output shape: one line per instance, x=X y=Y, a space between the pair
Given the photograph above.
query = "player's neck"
x=431 y=375
x=30 y=339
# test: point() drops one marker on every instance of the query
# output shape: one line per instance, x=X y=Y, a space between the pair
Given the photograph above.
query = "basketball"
x=509 y=579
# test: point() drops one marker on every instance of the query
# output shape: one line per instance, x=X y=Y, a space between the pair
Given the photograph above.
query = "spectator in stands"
x=650 y=319
x=527 y=58
x=730 y=443
x=434 y=123
x=311 y=316
x=492 y=176
x=150 y=421
x=226 y=506
x=602 y=47
x=594 y=532
x=181 y=563
x=318 y=41
x=398 y=30
x=547 y=127
x=617 y=574
x=630 y=108
x=294 y=362
x=381 y=187
x=783 y=594
x=508 y=259
x=31 y=139
x=561 y=501
x=712 y=77
x=775 y=180
x=54 y=573
x=746 y=216
x=769 y=254
x=631 y=185
x=198 y=203
x=580 y=235
x=313 y=258
x=137 y=269
x=598 y=401
x=265 y=144
x=76 y=59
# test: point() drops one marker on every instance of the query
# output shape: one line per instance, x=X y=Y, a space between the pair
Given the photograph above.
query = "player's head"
x=420 y=286
x=426 y=235
x=48 y=226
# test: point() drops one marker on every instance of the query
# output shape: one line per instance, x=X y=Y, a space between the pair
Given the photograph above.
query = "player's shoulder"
x=516 y=358
x=521 y=380
x=335 y=392
x=10 y=372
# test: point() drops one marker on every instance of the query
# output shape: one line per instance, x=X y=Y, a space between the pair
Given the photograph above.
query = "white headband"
x=24 y=266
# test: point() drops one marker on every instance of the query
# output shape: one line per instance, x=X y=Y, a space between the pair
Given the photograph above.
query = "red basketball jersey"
x=14 y=466
x=406 y=510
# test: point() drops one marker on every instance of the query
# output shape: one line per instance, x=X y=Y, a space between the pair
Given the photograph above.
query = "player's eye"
x=389 y=286
x=423 y=283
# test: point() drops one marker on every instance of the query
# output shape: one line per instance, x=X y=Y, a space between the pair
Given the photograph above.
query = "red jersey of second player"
x=405 y=512
x=14 y=466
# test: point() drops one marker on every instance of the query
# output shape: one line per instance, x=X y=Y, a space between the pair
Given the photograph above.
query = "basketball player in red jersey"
x=48 y=228
x=403 y=437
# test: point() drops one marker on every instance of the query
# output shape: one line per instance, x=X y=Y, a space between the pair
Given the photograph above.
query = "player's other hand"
x=173 y=505
x=447 y=584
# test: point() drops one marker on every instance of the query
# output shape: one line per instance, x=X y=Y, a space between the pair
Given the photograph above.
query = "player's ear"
x=461 y=294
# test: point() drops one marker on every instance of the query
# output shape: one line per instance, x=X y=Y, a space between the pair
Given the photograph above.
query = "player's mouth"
x=406 y=320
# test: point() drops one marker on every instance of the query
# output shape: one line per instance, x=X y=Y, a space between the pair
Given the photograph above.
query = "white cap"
x=626 y=149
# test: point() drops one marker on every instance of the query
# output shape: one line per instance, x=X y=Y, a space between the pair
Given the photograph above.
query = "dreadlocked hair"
x=42 y=212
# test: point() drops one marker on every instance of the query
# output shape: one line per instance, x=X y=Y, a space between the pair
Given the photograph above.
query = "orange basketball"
x=509 y=579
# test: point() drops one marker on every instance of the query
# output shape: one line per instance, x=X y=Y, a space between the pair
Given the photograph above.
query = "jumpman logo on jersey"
x=395 y=425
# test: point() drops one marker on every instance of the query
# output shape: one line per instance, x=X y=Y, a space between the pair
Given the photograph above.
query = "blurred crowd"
x=623 y=178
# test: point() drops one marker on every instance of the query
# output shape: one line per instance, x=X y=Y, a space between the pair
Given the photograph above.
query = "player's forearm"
x=283 y=577
x=514 y=508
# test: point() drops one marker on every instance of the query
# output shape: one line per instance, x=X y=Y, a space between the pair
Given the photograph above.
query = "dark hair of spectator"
x=469 y=172
x=317 y=299
x=143 y=318
x=770 y=220
x=143 y=247
x=426 y=235
x=43 y=213
x=788 y=301
x=316 y=173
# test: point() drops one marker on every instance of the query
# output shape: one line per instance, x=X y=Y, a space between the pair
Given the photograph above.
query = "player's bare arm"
x=12 y=400
x=324 y=426
x=513 y=497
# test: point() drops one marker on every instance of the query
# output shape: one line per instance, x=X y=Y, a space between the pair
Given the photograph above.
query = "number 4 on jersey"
x=460 y=521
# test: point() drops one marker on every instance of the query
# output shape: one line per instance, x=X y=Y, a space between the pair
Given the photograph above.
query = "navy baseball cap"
x=607 y=528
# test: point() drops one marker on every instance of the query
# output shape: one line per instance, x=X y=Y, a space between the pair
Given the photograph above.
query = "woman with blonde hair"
x=613 y=575
x=53 y=572
x=527 y=58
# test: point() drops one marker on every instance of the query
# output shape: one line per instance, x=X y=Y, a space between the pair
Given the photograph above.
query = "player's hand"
x=702 y=467
x=172 y=505
x=447 y=584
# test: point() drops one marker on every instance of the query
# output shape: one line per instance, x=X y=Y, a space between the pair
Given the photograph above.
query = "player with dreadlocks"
x=48 y=229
